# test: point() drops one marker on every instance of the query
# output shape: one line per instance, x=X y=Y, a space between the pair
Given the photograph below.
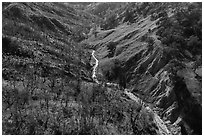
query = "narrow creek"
x=163 y=130
x=95 y=68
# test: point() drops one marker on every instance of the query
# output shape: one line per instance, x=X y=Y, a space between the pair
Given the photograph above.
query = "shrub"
x=10 y=47
x=194 y=44
x=150 y=41
x=144 y=37
x=111 y=47
x=183 y=30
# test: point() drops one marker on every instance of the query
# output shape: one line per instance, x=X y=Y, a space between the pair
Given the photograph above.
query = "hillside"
x=41 y=57
x=139 y=73
x=165 y=76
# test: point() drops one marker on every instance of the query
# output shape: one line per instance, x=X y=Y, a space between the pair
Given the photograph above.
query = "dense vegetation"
x=46 y=106
x=183 y=30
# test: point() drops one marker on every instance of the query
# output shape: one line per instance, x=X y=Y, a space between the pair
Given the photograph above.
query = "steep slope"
x=161 y=75
x=102 y=9
x=140 y=74
x=43 y=64
x=45 y=32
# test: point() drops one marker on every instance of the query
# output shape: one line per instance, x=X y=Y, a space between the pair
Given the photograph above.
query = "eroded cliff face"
x=177 y=92
x=170 y=85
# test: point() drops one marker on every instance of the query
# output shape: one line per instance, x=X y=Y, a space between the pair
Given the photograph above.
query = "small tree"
x=111 y=47
x=119 y=73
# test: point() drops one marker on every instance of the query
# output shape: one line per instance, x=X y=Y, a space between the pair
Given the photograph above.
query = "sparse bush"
x=194 y=44
x=110 y=23
x=142 y=123
x=12 y=48
x=150 y=41
x=119 y=50
x=111 y=47
x=144 y=37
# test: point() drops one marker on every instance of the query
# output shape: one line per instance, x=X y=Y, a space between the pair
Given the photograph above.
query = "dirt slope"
x=152 y=72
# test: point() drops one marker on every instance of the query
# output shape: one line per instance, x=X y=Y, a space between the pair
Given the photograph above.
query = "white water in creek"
x=95 y=68
x=161 y=125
